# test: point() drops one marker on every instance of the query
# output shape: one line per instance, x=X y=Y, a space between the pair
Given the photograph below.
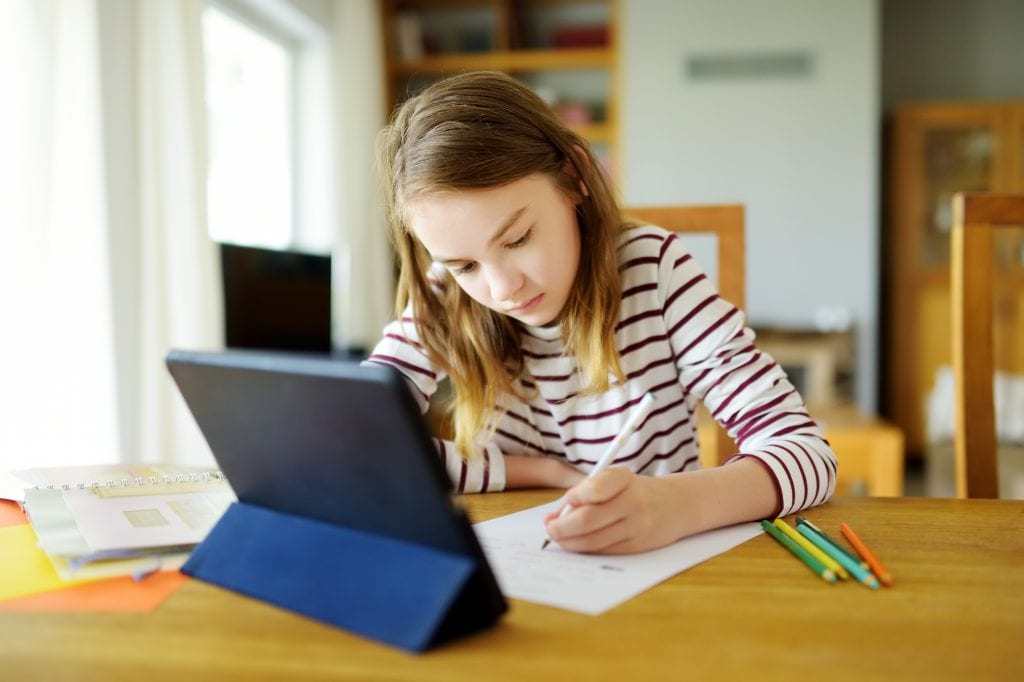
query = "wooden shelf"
x=502 y=24
x=598 y=133
x=508 y=60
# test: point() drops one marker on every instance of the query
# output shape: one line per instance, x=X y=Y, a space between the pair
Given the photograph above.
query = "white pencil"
x=642 y=410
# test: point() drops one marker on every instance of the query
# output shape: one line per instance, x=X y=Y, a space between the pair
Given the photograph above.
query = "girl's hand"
x=525 y=471
x=618 y=512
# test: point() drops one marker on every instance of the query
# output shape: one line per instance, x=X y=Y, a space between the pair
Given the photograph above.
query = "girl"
x=522 y=282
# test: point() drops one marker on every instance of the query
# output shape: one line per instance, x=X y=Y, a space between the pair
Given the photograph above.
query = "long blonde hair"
x=476 y=131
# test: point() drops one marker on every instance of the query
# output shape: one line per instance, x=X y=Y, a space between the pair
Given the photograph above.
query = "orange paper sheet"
x=113 y=595
x=11 y=513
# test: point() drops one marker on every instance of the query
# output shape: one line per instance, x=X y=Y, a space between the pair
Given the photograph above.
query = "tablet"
x=331 y=440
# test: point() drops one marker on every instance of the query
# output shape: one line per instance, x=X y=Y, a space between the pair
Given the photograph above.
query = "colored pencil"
x=828 y=538
x=812 y=549
x=881 y=571
x=823 y=572
x=862 y=575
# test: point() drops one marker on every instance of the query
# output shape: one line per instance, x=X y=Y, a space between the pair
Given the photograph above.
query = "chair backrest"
x=975 y=216
x=727 y=223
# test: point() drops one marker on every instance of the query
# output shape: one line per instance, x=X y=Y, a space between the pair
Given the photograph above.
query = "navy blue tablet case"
x=344 y=508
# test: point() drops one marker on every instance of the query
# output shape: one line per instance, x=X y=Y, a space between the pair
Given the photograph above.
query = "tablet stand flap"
x=389 y=590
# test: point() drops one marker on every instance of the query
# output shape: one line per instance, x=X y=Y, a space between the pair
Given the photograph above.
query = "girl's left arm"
x=783 y=463
x=744 y=388
x=530 y=471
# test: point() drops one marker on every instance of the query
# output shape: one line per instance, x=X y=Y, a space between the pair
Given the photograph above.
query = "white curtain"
x=81 y=373
x=364 y=281
x=179 y=290
x=58 y=384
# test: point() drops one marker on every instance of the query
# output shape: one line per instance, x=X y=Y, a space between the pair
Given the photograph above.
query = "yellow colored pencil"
x=812 y=549
x=824 y=573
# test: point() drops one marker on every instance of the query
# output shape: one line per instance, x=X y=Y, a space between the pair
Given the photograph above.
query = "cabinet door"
x=960 y=152
x=1017 y=147
x=937 y=151
x=1008 y=305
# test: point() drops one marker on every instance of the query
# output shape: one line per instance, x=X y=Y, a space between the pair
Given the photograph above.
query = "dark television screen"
x=276 y=300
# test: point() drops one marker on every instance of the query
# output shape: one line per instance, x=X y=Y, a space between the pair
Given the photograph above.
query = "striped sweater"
x=677 y=338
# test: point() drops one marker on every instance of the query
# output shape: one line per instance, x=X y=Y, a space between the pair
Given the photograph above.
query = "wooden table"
x=956 y=612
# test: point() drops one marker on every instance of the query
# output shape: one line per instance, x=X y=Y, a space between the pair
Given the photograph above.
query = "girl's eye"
x=471 y=266
x=522 y=240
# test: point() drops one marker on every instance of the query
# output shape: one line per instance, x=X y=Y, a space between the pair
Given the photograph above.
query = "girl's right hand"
x=529 y=471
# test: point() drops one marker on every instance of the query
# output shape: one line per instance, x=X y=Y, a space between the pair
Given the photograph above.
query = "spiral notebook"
x=117 y=479
x=103 y=511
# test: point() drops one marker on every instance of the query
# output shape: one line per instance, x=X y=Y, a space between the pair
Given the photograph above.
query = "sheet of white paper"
x=587 y=583
x=12 y=487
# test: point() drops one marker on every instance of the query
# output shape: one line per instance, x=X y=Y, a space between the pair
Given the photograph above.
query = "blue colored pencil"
x=829 y=539
x=863 y=576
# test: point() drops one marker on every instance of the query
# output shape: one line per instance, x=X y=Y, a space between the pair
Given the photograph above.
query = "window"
x=250 y=100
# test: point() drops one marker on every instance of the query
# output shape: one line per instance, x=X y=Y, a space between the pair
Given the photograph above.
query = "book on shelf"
x=89 y=517
x=409 y=36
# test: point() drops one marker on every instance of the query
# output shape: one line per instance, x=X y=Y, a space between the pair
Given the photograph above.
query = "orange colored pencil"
x=881 y=571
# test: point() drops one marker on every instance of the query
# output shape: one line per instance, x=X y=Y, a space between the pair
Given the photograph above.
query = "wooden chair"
x=727 y=223
x=975 y=216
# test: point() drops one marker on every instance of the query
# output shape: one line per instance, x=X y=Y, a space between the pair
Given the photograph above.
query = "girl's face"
x=513 y=248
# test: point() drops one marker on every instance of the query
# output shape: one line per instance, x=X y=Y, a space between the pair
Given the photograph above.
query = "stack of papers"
x=110 y=520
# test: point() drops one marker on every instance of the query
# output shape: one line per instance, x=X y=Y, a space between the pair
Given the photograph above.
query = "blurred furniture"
x=820 y=364
x=869 y=450
x=276 y=300
x=566 y=51
x=935 y=151
x=956 y=612
x=726 y=222
x=976 y=216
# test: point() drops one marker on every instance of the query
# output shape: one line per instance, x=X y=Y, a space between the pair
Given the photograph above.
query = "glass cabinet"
x=933 y=152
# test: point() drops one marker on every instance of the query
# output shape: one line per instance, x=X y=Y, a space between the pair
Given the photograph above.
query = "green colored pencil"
x=801 y=553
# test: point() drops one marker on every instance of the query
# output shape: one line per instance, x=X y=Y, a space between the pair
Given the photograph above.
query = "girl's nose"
x=504 y=283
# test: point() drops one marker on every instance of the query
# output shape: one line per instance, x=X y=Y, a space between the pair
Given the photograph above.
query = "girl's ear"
x=570 y=168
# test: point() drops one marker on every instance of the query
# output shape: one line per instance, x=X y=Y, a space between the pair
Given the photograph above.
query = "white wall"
x=801 y=153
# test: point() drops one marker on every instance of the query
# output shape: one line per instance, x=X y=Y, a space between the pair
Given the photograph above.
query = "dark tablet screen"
x=323 y=438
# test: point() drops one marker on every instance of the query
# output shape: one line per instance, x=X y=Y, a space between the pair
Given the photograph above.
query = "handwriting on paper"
x=587 y=583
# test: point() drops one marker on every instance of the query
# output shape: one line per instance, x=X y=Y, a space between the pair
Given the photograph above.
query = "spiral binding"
x=140 y=481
